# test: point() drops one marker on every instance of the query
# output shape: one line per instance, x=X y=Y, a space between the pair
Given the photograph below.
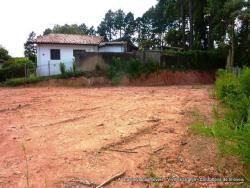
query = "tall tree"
x=183 y=23
x=200 y=27
x=47 y=31
x=91 y=31
x=4 y=54
x=119 y=22
x=103 y=30
x=81 y=29
x=129 y=24
x=232 y=11
x=30 y=48
x=191 y=28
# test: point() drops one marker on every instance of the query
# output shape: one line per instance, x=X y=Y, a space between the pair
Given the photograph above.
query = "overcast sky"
x=19 y=17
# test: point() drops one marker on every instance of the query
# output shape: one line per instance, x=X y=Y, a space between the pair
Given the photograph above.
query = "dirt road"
x=74 y=137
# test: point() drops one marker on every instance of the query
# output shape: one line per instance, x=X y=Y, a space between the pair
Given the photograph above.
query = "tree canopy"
x=187 y=24
x=4 y=54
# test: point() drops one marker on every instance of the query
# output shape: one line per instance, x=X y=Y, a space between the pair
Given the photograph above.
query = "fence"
x=23 y=70
x=52 y=68
x=88 y=61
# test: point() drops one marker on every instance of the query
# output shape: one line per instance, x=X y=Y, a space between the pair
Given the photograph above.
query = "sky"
x=19 y=17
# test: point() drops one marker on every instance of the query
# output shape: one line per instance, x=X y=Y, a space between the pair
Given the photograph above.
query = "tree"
x=47 y=31
x=91 y=31
x=200 y=27
x=174 y=38
x=4 y=54
x=81 y=29
x=183 y=23
x=102 y=30
x=119 y=22
x=191 y=28
x=233 y=10
x=29 y=47
x=109 y=22
x=243 y=48
x=129 y=25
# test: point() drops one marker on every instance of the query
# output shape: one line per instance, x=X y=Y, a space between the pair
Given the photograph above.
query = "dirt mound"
x=162 y=78
x=76 y=82
x=174 y=78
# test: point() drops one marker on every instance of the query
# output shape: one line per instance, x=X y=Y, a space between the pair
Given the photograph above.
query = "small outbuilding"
x=54 y=49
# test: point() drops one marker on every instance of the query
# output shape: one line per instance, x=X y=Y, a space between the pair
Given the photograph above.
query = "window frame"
x=56 y=56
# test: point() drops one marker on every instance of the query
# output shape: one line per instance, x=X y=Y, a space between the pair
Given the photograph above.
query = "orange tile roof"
x=69 y=39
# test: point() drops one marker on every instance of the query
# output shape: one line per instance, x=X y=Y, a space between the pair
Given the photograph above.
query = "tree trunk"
x=233 y=46
x=183 y=24
x=210 y=31
x=191 y=11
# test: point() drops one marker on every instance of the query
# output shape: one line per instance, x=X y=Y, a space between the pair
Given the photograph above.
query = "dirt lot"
x=79 y=136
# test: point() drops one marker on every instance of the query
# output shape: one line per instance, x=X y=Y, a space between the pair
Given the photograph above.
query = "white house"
x=54 y=49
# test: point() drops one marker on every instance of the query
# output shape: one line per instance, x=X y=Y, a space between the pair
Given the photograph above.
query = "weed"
x=62 y=68
x=26 y=165
x=98 y=68
x=231 y=131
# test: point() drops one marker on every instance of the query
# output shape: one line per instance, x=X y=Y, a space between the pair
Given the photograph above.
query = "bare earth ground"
x=75 y=135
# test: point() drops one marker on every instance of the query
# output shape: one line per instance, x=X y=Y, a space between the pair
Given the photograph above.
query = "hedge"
x=194 y=60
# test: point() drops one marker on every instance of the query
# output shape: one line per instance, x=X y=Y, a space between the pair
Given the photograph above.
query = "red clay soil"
x=162 y=78
x=173 y=78
x=74 y=137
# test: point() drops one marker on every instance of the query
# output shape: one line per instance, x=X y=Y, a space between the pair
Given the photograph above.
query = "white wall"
x=46 y=66
x=116 y=49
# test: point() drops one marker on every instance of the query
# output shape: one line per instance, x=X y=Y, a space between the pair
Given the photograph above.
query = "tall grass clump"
x=26 y=165
x=62 y=68
x=232 y=131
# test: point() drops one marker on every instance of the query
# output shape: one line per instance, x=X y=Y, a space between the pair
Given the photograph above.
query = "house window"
x=78 y=53
x=55 y=54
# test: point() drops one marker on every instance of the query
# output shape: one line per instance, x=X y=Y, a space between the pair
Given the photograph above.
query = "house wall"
x=113 y=49
x=46 y=66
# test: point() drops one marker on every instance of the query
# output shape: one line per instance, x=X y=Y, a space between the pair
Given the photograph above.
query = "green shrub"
x=117 y=67
x=133 y=68
x=15 y=68
x=245 y=81
x=18 y=62
x=62 y=68
x=232 y=131
x=98 y=68
x=68 y=74
x=23 y=81
x=226 y=85
x=74 y=67
x=150 y=67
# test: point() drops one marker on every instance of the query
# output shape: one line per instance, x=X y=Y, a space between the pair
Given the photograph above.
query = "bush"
x=98 y=68
x=133 y=68
x=245 y=81
x=23 y=81
x=68 y=74
x=232 y=131
x=226 y=85
x=62 y=68
x=15 y=68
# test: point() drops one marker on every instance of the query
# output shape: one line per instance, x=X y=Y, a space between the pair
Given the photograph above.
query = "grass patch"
x=231 y=128
x=33 y=79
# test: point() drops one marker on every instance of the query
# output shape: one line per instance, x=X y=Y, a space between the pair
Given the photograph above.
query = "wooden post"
x=25 y=71
x=49 y=67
